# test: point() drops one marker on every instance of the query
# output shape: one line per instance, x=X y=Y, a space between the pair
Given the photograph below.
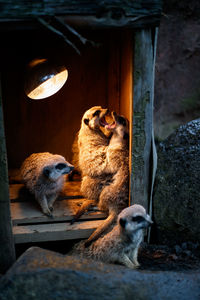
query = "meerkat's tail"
x=84 y=207
x=96 y=234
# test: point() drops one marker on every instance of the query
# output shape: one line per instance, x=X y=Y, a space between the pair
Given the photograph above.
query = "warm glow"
x=50 y=86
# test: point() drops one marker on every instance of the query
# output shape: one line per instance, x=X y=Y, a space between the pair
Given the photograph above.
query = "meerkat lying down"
x=121 y=244
x=43 y=175
x=114 y=196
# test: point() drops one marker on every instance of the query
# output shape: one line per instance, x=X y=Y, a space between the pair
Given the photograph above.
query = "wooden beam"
x=30 y=212
x=54 y=232
x=111 y=13
x=142 y=119
x=7 y=250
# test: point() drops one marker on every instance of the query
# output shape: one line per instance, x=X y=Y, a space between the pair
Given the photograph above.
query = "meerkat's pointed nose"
x=148 y=219
x=71 y=168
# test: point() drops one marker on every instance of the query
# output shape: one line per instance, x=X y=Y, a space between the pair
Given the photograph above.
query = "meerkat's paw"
x=136 y=266
x=48 y=213
x=125 y=260
x=51 y=208
x=72 y=221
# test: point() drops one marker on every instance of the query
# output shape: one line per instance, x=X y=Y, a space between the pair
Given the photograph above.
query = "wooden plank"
x=142 y=117
x=30 y=212
x=153 y=146
x=54 y=232
x=113 y=71
x=7 y=251
x=111 y=13
x=25 y=210
x=126 y=74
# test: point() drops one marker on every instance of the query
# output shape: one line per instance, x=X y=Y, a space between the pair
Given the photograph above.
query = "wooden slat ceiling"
x=116 y=13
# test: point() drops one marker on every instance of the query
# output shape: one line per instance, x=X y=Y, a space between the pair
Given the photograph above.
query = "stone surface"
x=176 y=202
x=43 y=274
x=177 y=69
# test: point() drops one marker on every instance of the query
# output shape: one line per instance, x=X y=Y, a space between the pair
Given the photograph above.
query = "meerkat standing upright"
x=90 y=156
x=114 y=196
x=43 y=174
x=120 y=245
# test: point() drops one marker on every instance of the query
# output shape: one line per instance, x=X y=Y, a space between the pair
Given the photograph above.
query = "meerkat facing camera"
x=114 y=196
x=120 y=245
x=90 y=156
x=43 y=175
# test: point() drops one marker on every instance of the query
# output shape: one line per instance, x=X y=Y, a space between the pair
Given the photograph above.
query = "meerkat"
x=114 y=196
x=90 y=156
x=43 y=175
x=120 y=245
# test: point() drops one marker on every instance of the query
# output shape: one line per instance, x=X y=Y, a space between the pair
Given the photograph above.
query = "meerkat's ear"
x=126 y=136
x=122 y=222
x=86 y=121
x=46 y=172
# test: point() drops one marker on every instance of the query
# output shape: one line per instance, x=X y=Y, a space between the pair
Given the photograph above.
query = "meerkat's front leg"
x=44 y=205
x=125 y=260
x=134 y=257
x=51 y=200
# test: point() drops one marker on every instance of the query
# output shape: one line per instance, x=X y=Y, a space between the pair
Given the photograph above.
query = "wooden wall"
x=100 y=76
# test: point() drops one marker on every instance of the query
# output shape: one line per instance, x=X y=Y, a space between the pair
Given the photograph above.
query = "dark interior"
x=101 y=75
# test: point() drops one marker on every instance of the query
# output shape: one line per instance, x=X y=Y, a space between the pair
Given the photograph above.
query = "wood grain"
x=54 y=232
x=142 y=117
x=99 y=13
x=26 y=210
x=7 y=251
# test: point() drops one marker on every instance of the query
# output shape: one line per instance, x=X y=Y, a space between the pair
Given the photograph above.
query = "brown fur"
x=114 y=196
x=90 y=152
x=122 y=243
x=43 y=174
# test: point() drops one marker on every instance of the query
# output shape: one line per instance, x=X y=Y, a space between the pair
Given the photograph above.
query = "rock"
x=177 y=69
x=184 y=246
x=178 y=249
x=41 y=274
x=176 y=202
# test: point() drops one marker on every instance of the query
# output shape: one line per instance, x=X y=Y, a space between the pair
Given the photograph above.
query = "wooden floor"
x=31 y=225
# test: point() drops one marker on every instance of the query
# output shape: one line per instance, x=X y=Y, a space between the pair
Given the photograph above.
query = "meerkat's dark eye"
x=86 y=121
x=60 y=166
x=122 y=222
x=97 y=113
x=138 y=219
x=46 y=172
x=126 y=136
x=122 y=121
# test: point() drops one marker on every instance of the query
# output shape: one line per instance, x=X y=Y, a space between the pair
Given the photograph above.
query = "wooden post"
x=7 y=249
x=142 y=117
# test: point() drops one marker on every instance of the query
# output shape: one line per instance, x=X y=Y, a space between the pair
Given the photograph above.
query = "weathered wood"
x=24 y=208
x=126 y=74
x=27 y=216
x=54 y=232
x=153 y=164
x=7 y=251
x=142 y=116
x=113 y=90
x=30 y=212
x=116 y=13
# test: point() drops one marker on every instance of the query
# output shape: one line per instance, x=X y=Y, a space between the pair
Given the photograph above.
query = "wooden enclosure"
x=101 y=75
x=115 y=70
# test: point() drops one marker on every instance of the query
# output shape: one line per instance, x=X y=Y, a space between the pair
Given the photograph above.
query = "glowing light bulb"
x=44 y=78
x=50 y=86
